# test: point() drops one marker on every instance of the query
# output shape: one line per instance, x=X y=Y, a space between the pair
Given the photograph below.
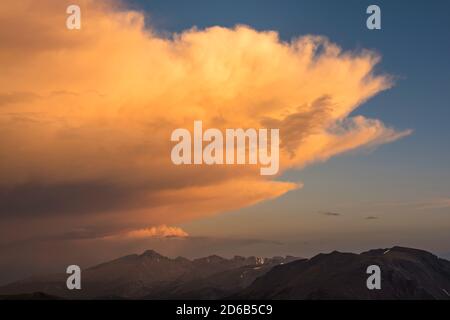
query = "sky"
x=86 y=118
x=397 y=178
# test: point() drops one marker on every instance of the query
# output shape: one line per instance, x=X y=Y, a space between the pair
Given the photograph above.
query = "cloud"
x=328 y=213
x=371 y=218
x=162 y=231
x=437 y=203
x=420 y=205
x=94 y=149
x=16 y=97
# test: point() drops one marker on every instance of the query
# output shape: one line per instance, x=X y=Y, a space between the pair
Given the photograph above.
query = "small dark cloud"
x=330 y=213
x=63 y=93
x=371 y=218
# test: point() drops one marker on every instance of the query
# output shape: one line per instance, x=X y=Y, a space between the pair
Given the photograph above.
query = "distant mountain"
x=446 y=255
x=151 y=275
x=220 y=284
x=406 y=274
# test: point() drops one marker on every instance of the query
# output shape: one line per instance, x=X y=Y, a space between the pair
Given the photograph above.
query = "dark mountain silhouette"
x=406 y=274
x=220 y=284
x=151 y=275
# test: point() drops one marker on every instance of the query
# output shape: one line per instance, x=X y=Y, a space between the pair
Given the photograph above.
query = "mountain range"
x=406 y=273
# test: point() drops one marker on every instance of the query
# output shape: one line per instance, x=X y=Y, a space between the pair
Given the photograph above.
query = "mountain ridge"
x=145 y=275
x=407 y=273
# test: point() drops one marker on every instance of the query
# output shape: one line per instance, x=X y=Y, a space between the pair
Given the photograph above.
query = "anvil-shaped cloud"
x=86 y=116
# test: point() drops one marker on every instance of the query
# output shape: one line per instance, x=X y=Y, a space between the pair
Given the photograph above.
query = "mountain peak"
x=151 y=254
x=408 y=274
x=409 y=250
x=214 y=258
x=398 y=250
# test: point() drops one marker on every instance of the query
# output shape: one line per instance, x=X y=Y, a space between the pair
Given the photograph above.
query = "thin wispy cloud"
x=423 y=204
x=330 y=213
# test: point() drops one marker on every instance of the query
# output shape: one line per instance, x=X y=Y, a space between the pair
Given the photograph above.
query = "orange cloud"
x=162 y=231
x=86 y=116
